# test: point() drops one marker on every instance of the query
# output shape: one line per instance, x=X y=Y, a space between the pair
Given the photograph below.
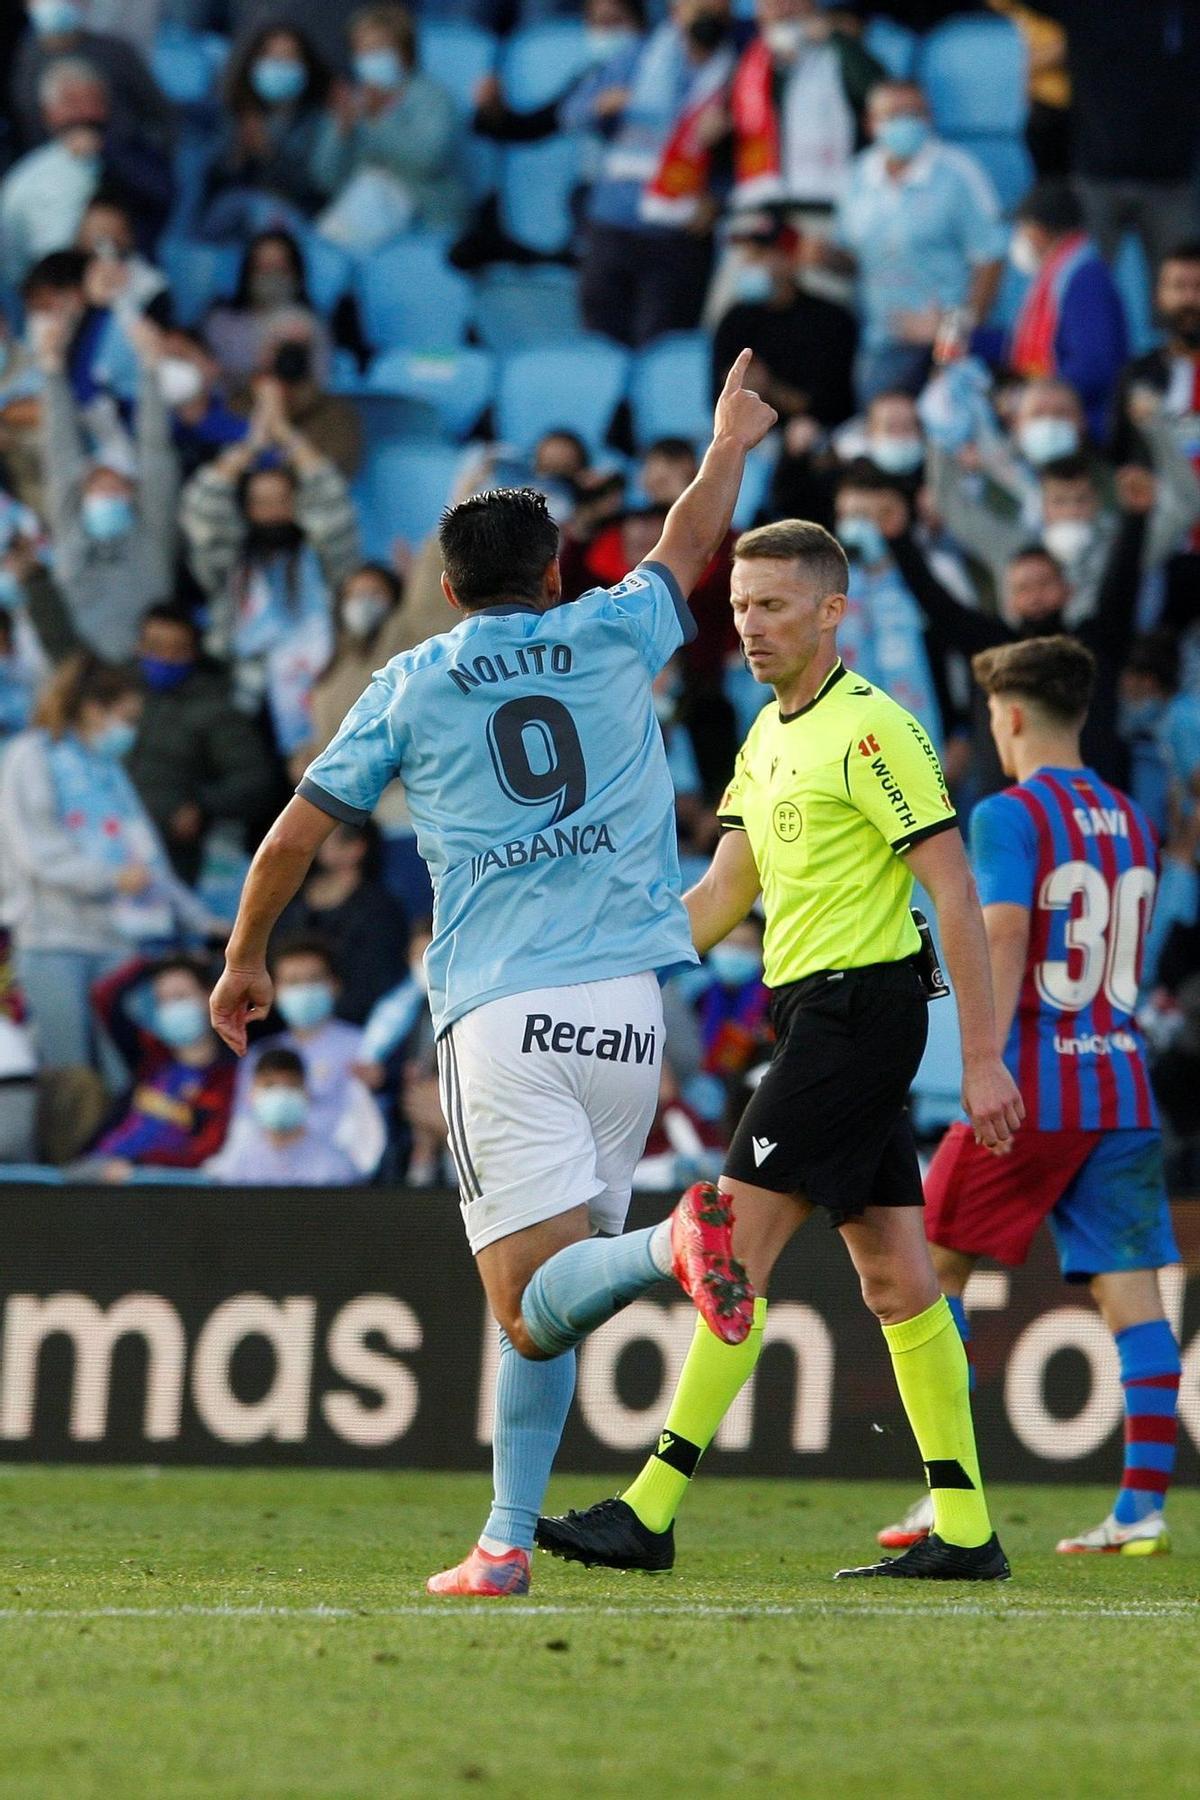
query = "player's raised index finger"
x=737 y=374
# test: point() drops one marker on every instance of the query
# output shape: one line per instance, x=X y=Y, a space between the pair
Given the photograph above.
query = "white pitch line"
x=1138 y=1609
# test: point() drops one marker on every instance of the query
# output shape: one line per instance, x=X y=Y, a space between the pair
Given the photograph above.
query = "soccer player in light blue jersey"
x=536 y=776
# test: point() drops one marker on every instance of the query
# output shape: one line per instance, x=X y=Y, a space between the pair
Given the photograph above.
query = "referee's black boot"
x=934 y=1560
x=608 y=1535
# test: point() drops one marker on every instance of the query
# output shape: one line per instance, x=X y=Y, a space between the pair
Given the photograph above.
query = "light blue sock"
x=958 y=1313
x=587 y=1283
x=532 y=1403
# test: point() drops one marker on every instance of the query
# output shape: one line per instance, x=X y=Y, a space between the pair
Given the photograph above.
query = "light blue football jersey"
x=536 y=777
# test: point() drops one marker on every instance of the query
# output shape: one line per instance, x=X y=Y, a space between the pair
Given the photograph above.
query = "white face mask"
x=1022 y=255
x=1045 y=440
x=179 y=380
x=786 y=37
x=1067 y=539
x=361 y=613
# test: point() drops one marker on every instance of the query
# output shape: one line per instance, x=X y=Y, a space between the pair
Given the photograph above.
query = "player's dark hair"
x=495 y=546
x=802 y=541
x=304 y=943
x=1068 y=468
x=279 y=1062
x=1055 y=673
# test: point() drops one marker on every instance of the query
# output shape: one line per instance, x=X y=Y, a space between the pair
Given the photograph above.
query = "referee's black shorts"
x=829 y=1119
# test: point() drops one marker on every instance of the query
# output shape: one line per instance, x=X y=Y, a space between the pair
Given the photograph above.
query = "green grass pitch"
x=250 y=1634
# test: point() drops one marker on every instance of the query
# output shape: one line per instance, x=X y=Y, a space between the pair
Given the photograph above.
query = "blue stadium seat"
x=457 y=385
x=516 y=308
x=459 y=56
x=401 y=492
x=199 y=274
x=1007 y=161
x=329 y=271
x=395 y=418
x=892 y=44
x=669 y=390
x=409 y=295
x=187 y=64
x=540 y=63
x=536 y=186
x=974 y=71
x=756 y=482
x=576 y=386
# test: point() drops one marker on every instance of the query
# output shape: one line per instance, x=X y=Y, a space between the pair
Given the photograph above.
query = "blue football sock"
x=585 y=1284
x=532 y=1403
x=958 y=1313
x=1150 y=1370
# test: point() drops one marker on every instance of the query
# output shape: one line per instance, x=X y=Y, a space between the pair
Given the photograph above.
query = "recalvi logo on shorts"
x=612 y=1045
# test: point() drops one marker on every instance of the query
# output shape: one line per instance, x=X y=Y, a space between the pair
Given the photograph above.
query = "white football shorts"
x=549 y=1097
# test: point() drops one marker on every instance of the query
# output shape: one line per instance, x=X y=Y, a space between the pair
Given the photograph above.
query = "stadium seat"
x=1006 y=159
x=974 y=71
x=187 y=64
x=540 y=63
x=756 y=482
x=409 y=295
x=457 y=385
x=328 y=270
x=536 y=185
x=669 y=389
x=459 y=56
x=401 y=492
x=1133 y=283
x=199 y=274
x=892 y=44
x=516 y=308
x=576 y=386
x=395 y=418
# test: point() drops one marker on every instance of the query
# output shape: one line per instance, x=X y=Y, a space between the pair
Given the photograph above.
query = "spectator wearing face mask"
x=88 y=879
x=197 y=760
x=803 y=345
x=341 y=1109
x=1171 y=371
x=613 y=34
x=275 y=90
x=111 y=516
x=275 y=1140
x=919 y=222
x=648 y=248
x=1071 y=324
x=799 y=95
x=177 y=1111
x=329 y=422
x=1068 y=506
x=386 y=154
x=203 y=422
x=268 y=545
x=61 y=29
x=271 y=294
x=344 y=901
x=1036 y=602
x=398 y=1037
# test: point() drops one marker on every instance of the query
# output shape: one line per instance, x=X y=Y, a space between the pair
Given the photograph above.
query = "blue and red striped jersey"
x=1082 y=857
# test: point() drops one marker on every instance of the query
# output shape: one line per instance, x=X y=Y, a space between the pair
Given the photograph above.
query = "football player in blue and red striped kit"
x=1067 y=867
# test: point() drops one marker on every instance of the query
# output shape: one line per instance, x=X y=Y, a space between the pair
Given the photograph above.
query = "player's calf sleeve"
x=958 y=1313
x=532 y=1403
x=587 y=1283
x=1150 y=1378
x=931 y=1374
x=712 y=1378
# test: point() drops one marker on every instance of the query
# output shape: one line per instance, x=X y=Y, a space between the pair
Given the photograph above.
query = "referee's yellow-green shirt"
x=828 y=796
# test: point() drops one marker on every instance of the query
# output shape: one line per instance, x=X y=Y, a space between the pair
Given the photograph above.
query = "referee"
x=837 y=802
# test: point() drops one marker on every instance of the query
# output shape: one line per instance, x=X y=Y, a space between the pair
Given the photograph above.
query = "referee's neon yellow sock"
x=933 y=1378
x=713 y=1376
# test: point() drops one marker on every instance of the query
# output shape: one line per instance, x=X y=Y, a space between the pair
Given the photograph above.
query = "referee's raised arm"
x=697 y=523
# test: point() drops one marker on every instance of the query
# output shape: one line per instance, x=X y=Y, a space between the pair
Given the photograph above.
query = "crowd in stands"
x=279 y=280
